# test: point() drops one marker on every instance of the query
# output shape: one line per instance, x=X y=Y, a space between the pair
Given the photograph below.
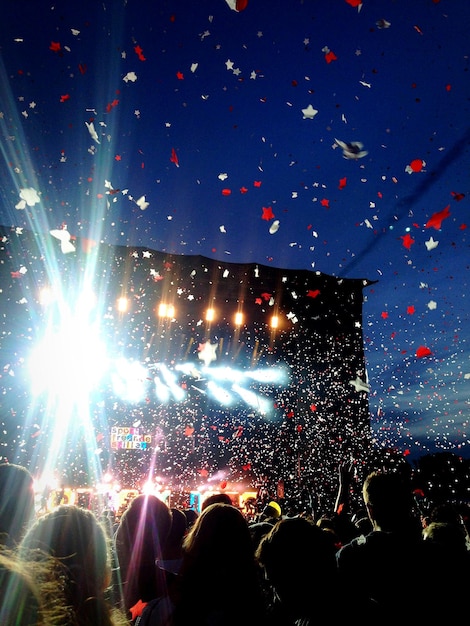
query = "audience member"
x=224 y=498
x=172 y=553
x=298 y=558
x=392 y=564
x=191 y=517
x=75 y=539
x=271 y=513
x=20 y=597
x=16 y=503
x=218 y=584
x=139 y=541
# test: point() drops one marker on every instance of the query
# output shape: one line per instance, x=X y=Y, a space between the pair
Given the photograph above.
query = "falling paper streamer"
x=142 y=203
x=64 y=237
x=29 y=197
x=237 y=5
x=352 y=150
x=274 y=227
x=92 y=131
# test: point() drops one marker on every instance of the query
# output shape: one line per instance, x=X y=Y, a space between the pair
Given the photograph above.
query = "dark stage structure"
x=215 y=371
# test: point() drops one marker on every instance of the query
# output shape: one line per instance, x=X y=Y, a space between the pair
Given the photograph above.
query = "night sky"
x=322 y=137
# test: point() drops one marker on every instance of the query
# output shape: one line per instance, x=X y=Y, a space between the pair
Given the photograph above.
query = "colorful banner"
x=129 y=438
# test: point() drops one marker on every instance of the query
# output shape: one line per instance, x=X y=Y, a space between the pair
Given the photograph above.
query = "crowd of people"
x=378 y=560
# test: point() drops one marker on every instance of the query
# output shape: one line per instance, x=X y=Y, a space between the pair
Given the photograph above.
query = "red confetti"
x=243 y=190
x=330 y=56
x=325 y=202
x=140 y=53
x=417 y=165
x=223 y=484
x=180 y=75
x=82 y=68
x=87 y=244
x=408 y=241
x=423 y=351
x=410 y=310
x=267 y=214
x=226 y=192
x=313 y=293
x=174 y=157
x=436 y=219
x=65 y=97
x=55 y=46
x=342 y=183
x=111 y=105
x=457 y=196
x=354 y=3
x=257 y=183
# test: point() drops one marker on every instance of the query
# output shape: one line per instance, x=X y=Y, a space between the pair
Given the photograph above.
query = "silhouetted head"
x=16 y=502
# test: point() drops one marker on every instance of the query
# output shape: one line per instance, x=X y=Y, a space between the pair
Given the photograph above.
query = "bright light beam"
x=260 y=404
x=68 y=362
x=220 y=394
x=129 y=381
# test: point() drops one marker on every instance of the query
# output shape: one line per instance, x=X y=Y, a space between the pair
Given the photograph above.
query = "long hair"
x=219 y=565
x=78 y=542
x=139 y=541
x=16 y=502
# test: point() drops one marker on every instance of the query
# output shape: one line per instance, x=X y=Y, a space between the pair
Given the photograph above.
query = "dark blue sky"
x=221 y=133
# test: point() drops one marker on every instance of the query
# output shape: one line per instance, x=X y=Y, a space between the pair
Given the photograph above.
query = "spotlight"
x=122 y=304
x=166 y=310
x=238 y=318
x=210 y=315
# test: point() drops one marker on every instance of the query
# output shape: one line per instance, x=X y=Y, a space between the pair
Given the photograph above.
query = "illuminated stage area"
x=141 y=365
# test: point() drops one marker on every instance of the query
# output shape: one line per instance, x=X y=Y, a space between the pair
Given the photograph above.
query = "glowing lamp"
x=166 y=310
x=210 y=315
x=122 y=304
x=238 y=318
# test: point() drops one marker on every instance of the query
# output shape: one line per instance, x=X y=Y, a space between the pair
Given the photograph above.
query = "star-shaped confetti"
x=207 y=352
x=309 y=112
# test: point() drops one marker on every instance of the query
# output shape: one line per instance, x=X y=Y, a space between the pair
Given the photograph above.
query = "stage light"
x=274 y=321
x=271 y=375
x=210 y=315
x=166 y=310
x=69 y=362
x=219 y=393
x=225 y=373
x=238 y=318
x=46 y=296
x=171 y=382
x=257 y=402
x=161 y=390
x=129 y=380
x=122 y=304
